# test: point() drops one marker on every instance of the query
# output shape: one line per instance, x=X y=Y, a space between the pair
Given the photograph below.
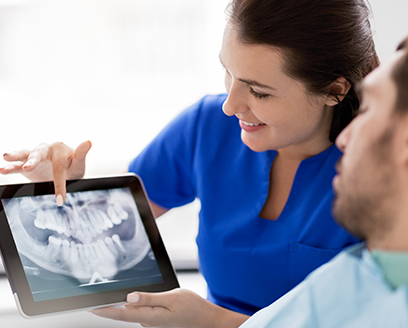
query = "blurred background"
x=115 y=72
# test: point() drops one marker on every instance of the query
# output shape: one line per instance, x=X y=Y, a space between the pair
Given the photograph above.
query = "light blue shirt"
x=349 y=291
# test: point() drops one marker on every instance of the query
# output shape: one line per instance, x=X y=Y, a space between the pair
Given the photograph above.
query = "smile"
x=251 y=124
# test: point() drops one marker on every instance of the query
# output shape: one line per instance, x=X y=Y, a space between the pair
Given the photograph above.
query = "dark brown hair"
x=400 y=75
x=323 y=40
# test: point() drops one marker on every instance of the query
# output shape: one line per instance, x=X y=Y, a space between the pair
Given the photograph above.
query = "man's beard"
x=366 y=208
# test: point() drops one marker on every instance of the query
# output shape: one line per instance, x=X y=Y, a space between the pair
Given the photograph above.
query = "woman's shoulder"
x=213 y=101
x=208 y=105
x=206 y=115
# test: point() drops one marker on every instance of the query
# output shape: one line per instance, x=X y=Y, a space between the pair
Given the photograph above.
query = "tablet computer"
x=100 y=245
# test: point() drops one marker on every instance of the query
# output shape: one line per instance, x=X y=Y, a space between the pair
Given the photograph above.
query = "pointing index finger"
x=60 y=156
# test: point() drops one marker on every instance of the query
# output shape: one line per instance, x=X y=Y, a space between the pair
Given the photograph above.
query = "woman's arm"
x=176 y=308
x=157 y=209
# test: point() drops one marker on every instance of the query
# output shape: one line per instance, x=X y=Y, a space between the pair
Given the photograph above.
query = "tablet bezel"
x=13 y=265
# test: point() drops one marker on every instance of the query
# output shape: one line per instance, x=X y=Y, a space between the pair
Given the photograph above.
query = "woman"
x=263 y=171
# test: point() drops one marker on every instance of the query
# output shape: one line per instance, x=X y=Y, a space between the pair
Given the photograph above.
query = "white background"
x=115 y=72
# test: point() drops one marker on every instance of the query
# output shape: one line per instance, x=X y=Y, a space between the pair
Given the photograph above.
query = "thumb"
x=150 y=299
x=77 y=167
x=82 y=150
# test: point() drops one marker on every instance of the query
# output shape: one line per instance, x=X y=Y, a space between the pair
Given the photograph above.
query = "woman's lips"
x=250 y=127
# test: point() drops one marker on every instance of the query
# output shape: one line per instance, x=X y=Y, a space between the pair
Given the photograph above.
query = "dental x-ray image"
x=95 y=241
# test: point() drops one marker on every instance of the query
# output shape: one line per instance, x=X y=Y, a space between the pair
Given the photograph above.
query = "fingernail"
x=133 y=298
x=28 y=163
x=6 y=154
x=59 y=200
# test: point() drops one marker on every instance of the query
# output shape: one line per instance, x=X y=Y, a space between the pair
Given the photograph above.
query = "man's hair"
x=400 y=76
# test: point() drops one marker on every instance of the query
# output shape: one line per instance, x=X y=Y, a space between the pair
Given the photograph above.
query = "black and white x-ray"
x=94 y=241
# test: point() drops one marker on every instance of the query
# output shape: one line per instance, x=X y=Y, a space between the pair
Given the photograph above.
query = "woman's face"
x=274 y=110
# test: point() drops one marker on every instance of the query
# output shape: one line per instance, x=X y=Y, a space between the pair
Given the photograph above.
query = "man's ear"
x=402 y=147
x=338 y=90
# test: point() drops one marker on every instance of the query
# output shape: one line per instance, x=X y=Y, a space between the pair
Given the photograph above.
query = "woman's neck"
x=301 y=152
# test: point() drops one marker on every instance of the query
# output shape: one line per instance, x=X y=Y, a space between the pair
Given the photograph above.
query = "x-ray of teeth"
x=92 y=237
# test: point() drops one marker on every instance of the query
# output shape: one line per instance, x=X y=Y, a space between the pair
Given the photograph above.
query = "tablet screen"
x=94 y=242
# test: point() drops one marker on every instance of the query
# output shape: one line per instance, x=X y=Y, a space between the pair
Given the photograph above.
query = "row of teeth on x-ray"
x=110 y=247
x=90 y=224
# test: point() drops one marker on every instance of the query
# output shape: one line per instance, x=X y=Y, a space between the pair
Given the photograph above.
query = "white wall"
x=390 y=24
x=116 y=71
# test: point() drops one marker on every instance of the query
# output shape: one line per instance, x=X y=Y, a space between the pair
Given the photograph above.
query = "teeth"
x=50 y=222
x=97 y=222
x=54 y=245
x=106 y=219
x=74 y=252
x=81 y=253
x=78 y=233
x=52 y=240
x=118 y=213
x=113 y=214
x=39 y=221
x=97 y=249
x=121 y=212
x=84 y=236
x=93 y=252
x=86 y=228
x=87 y=251
x=60 y=222
x=65 y=248
x=71 y=225
x=83 y=227
x=46 y=220
x=28 y=205
x=92 y=231
x=67 y=231
x=111 y=245
x=118 y=243
x=82 y=257
x=251 y=124
x=104 y=249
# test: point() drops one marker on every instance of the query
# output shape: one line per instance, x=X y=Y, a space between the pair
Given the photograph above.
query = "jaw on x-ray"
x=92 y=236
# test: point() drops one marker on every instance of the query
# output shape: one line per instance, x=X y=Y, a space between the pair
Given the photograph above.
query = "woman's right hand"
x=175 y=308
x=47 y=162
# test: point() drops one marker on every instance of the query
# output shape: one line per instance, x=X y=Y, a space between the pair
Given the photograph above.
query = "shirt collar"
x=394 y=266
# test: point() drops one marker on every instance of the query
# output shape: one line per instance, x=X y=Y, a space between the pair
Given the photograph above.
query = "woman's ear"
x=338 y=90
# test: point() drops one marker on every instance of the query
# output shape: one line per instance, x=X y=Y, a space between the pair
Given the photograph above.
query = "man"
x=364 y=286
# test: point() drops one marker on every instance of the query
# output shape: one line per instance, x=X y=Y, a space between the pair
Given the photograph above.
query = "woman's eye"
x=257 y=95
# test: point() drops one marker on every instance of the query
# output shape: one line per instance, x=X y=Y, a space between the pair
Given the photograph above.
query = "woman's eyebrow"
x=257 y=84
x=249 y=82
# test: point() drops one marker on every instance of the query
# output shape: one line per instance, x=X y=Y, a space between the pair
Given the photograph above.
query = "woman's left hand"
x=176 y=308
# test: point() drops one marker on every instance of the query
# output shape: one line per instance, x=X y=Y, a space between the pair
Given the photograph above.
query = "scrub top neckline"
x=302 y=165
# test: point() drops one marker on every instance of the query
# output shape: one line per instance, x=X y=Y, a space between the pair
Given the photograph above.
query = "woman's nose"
x=235 y=102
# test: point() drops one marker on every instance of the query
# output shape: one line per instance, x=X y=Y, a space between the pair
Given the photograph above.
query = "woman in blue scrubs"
x=261 y=157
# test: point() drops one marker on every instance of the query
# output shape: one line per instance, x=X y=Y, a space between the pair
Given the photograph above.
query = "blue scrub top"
x=248 y=262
